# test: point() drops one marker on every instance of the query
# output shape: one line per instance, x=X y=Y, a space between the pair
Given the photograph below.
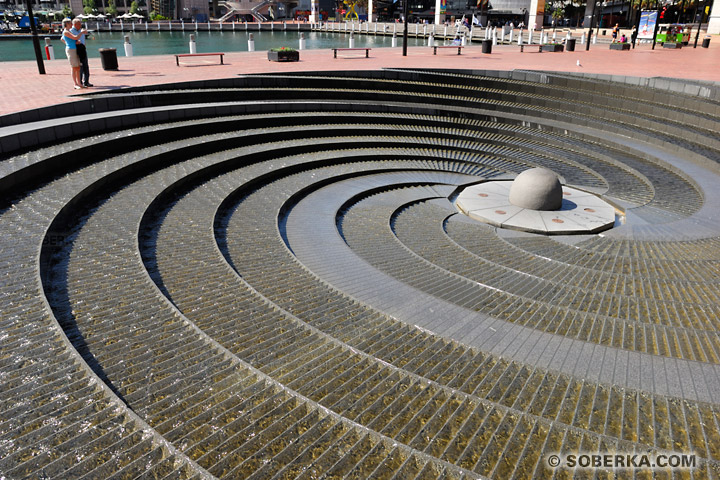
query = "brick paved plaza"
x=258 y=270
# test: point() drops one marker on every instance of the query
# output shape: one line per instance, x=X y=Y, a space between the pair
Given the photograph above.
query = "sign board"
x=648 y=19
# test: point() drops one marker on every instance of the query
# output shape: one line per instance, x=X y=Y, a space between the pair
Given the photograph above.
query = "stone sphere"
x=537 y=189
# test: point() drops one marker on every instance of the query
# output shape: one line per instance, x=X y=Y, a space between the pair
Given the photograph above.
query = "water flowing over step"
x=266 y=277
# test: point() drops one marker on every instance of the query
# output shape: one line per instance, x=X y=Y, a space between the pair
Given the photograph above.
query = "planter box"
x=283 y=56
x=619 y=46
x=672 y=45
x=553 y=47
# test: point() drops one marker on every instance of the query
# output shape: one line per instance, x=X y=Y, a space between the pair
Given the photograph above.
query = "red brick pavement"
x=24 y=88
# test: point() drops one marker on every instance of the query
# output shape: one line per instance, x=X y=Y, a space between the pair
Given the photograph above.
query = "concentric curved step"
x=265 y=277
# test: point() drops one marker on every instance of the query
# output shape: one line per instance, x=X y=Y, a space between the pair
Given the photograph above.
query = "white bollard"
x=193 y=45
x=285 y=25
x=133 y=26
x=502 y=35
x=375 y=27
x=233 y=26
x=424 y=29
x=568 y=36
x=158 y=24
x=394 y=40
x=582 y=39
x=208 y=26
x=272 y=25
x=251 y=43
x=49 y=51
x=394 y=28
x=352 y=40
x=554 y=37
x=146 y=26
x=512 y=33
x=182 y=25
x=416 y=30
x=128 y=47
x=122 y=26
x=464 y=40
x=445 y=32
x=302 y=41
x=170 y=25
x=594 y=41
x=520 y=42
x=195 y=25
x=494 y=38
x=431 y=40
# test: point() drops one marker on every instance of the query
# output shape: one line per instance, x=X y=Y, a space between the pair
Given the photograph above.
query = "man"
x=70 y=40
x=82 y=53
x=615 y=31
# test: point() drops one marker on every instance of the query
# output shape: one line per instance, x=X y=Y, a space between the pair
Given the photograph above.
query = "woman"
x=70 y=40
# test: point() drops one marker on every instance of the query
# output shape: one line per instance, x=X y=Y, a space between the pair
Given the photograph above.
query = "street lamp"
x=590 y=29
x=35 y=39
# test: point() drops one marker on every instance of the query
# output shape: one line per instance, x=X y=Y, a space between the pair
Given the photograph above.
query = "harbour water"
x=158 y=43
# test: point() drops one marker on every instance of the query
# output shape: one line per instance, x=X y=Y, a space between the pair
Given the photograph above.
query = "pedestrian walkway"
x=25 y=89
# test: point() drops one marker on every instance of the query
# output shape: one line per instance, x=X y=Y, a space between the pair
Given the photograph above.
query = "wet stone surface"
x=285 y=290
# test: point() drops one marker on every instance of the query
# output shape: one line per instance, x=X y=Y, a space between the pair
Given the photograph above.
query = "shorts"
x=72 y=56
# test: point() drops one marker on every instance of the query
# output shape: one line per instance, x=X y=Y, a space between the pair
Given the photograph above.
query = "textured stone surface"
x=260 y=280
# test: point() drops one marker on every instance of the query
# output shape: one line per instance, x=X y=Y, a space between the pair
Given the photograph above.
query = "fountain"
x=537 y=202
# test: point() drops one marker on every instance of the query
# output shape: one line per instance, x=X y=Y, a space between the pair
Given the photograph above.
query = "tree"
x=111 y=8
x=89 y=7
x=638 y=5
x=156 y=16
x=134 y=7
x=67 y=12
x=560 y=8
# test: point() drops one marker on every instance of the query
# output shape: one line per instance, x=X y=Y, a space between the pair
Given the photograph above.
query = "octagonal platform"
x=581 y=212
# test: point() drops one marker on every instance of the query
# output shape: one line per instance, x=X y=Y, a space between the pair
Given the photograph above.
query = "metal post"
x=36 y=40
x=697 y=35
x=592 y=19
x=406 y=12
x=657 y=25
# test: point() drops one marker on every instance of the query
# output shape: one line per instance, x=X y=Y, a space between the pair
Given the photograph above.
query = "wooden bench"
x=177 y=57
x=435 y=47
x=539 y=45
x=335 y=50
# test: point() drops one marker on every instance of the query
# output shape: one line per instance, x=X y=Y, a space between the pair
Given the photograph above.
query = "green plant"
x=111 y=8
x=89 y=7
x=283 y=49
x=156 y=16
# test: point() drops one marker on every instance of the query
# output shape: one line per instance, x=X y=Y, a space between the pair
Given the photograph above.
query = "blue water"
x=156 y=43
